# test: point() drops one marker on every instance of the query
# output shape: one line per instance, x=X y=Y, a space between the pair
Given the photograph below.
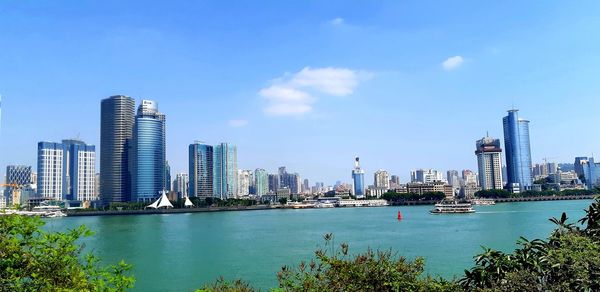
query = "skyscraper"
x=168 y=182
x=273 y=183
x=148 y=157
x=261 y=182
x=518 y=152
x=381 y=179
x=201 y=165
x=79 y=171
x=181 y=185
x=50 y=170
x=116 y=129
x=358 y=177
x=489 y=162
x=225 y=171
x=453 y=178
x=243 y=183
x=579 y=165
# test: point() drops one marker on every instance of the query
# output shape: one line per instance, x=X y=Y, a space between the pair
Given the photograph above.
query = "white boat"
x=452 y=207
x=483 y=202
x=324 y=205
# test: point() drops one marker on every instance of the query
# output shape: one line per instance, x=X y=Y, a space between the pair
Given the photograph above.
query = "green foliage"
x=222 y=285
x=402 y=197
x=530 y=194
x=283 y=201
x=336 y=270
x=34 y=260
x=567 y=261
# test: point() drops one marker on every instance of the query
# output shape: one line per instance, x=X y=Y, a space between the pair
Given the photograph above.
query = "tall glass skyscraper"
x=201 y=170
x=518 y=152
x=148 y=155
x=116 y=129
x=225 y=171
x=358 y=177
x=79 y=171
x=261 y=182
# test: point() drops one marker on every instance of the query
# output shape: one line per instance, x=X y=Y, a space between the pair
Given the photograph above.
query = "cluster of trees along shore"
x=32 y=259
x=392 y=196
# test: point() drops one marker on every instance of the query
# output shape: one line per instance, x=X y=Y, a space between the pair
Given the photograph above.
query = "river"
x=180 y=252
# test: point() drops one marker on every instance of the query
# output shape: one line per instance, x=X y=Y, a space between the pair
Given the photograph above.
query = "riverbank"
x=506 y=200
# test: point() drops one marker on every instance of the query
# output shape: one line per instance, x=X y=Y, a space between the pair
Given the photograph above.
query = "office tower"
x=243 y=183
x=395 y=179
x=453 y=178
x=168 y=182
x=381 y=179
x=295 y=183
x=147 y=156
x=181 y=185
x=116 y=129
x=518 y=152
x=50 y=170
x=489 y=162
x=591 y=171
x=469 y=177
x=19 y=175
x=358 y=177
x=225 y=171
x=201 y=170
x=578 y=165
x=273 y=183
x=79 y=171
x=426 y=175
x=261 y=182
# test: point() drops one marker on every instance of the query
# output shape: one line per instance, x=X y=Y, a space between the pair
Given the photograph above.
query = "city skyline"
x=342 y=88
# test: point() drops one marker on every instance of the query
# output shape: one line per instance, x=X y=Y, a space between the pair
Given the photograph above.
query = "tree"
x=283 y=201
x=35 y=260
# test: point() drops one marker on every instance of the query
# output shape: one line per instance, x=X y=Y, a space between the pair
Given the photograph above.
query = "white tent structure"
x=163 y=201
x=188 y=203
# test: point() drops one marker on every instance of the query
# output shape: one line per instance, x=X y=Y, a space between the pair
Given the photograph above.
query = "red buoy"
x=399 y=215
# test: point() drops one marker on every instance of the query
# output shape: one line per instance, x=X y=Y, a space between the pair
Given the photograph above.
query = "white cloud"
x=337 y=21
x=294 y=94
x=452 y=63
x=238 y=123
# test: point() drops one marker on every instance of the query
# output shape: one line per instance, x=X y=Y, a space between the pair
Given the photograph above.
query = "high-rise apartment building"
x=273 y=183
x=181 y=185
x=243 y=184
x=79 y=171
x=358 y=178
x=518 y=152
x=116 y=129
x=426 y=176
x=201 y=170
x=469 y=177
x=148 y=153
x=50 y=170
x=261 y=182
x=453 y=178
x=489 y=162
x=381 y=179
x=225 y=171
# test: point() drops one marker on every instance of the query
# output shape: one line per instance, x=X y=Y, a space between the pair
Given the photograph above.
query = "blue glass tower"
x=200 y=170
x=148 y=156
x=225 y=171
x=518 y=152
x=358 y=176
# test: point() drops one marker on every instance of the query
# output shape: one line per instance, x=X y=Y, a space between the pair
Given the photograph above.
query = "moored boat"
x=452 y=207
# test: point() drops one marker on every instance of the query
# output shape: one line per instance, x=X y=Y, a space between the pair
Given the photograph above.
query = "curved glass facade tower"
x=518 y=152
x=116 y=126
x=148 y=156
x=225 y=171
x=358 y=177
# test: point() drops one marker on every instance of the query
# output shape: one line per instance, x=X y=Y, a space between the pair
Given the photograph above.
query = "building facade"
x=79 y=171
x=50 y=170
x=116 y=130
x=518 y=152
x=19 y=175
x=181 y=185
x=489 y=163
x=243 y=184
x=381 y=179
x=225 y=171
x=201 y=170
x=358 y=178
x=148 y=153
x=261 y=182
x=426 y=176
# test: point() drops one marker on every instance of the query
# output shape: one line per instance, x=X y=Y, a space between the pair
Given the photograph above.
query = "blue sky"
x=307 y=84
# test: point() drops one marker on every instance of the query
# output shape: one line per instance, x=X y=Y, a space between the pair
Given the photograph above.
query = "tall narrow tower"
x=358 y=176
x=518 y=152
x=489 y=162
x=116 y=128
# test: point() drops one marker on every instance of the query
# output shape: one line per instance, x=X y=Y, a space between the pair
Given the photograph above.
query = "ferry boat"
x=41 y=211
x=483 y=202
x=452 y=207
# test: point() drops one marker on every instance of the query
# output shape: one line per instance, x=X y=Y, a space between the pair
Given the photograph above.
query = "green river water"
x=179 y=252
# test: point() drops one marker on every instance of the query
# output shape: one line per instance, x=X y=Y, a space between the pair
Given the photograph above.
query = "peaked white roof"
x=154 y=205
x=164 y=201
x=188 y=203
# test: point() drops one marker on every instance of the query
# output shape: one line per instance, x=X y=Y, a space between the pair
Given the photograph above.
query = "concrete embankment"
x=505 y=200
x=168 y=211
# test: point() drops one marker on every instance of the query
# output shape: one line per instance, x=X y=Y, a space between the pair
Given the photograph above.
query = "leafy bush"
x=34 y=260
